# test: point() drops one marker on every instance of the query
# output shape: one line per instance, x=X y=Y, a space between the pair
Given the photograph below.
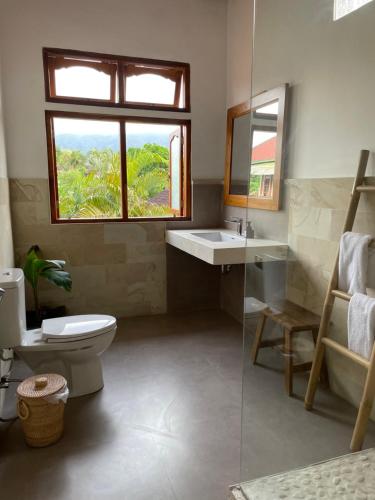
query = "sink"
x=218 y=236
x=221 y=246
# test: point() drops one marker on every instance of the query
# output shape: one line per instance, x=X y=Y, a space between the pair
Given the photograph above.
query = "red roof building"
x=265 y=151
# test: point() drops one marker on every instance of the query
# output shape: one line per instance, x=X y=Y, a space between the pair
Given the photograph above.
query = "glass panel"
x=147 y=159
x=150 y=88
x=81 y=81
x=175 y=152
x=255 y=143
x=263 y=150
x=88 y=168
x=330 y=120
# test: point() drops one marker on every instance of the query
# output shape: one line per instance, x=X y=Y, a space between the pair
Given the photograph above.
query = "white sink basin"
x=221 y=246
x=218 y=236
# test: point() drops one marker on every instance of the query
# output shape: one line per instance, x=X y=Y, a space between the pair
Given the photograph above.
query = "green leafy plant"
x=52 y=270
x=90 y=184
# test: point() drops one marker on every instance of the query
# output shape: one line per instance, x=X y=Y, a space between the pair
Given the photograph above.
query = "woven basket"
x=42 y=421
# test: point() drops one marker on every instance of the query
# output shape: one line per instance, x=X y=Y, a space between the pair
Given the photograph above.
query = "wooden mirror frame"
x=237 y=200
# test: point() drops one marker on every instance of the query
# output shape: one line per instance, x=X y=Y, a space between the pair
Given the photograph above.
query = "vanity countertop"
x=221 y=246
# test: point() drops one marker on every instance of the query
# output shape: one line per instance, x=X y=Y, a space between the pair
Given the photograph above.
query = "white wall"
x=331 y=68
x=239 y=50
x=192 y=32
x=3 y=161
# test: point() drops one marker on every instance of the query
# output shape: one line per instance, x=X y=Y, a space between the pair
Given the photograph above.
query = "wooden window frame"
x=181 y=169
x=118 y=67
x=58 y=62
x=176 y=75
x=122 y=120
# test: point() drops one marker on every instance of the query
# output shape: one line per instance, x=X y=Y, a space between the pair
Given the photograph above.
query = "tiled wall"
x=192 y=284
x=117 y=269
x=6 y=248
x=317 y=210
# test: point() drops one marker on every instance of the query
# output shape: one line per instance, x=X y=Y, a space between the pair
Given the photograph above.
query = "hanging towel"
x=353 y=262
x=361 y=324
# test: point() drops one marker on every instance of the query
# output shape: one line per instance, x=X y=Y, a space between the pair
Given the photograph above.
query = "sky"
x=260 y=136
x=100 y=127
x=73 y=82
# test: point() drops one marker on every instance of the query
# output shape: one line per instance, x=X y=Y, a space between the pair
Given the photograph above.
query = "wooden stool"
x=292 y=318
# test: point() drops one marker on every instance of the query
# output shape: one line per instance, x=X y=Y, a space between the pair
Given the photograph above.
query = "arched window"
x=119 y=81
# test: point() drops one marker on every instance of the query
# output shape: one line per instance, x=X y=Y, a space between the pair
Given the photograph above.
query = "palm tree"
x=93 y=187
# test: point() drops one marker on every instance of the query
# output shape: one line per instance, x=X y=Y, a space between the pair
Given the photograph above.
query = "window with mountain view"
x=111 y=167
x=117 y=168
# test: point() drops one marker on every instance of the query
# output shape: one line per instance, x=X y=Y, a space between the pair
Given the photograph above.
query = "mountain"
x=85 y=143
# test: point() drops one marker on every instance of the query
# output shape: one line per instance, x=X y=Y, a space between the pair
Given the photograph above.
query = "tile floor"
x=167 y=424
x=165 y=427
x=278 y=434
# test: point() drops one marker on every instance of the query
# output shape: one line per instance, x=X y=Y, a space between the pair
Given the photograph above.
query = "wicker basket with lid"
x=42 y=420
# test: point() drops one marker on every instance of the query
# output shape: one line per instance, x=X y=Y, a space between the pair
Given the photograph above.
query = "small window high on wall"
x=111 y=168
x=103 y=79
x=345 y=7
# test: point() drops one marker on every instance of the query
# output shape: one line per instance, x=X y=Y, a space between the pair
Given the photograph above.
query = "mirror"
x=255 y=134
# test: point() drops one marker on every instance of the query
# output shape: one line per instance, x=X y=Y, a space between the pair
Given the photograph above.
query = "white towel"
x=353 y=262
x=361 y=324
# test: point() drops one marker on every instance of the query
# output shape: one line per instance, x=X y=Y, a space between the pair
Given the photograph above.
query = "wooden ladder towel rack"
x=324 y=341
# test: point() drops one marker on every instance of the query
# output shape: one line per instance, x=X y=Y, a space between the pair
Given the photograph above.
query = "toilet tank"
x=12 y=308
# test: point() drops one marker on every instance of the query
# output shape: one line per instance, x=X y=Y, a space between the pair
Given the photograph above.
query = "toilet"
x=70 y=346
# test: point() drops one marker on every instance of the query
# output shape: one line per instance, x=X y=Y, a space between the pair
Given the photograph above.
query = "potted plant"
x=53 y=271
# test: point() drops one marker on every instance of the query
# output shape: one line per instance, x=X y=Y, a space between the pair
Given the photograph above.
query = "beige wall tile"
x=316 y=218
x=313 y=222
x=116 y=269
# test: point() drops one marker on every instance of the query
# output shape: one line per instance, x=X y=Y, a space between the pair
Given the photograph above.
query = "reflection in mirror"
x=263 y=150
x=240 y=155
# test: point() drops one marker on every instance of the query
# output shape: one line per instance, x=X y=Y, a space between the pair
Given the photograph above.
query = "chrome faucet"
x=238 y=221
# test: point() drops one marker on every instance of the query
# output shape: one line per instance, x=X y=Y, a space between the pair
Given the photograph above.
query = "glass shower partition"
x=328 y=63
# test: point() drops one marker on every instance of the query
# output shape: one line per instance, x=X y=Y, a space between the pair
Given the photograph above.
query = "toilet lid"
x=80 y=327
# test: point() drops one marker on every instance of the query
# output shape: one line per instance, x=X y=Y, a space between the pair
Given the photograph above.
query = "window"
x=115 y=168
x=154 y=84
x=106 y=167
x=345 y=7
x=119 y=81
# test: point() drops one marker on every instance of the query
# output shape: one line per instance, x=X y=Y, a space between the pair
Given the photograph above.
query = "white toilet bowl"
x=69 y=346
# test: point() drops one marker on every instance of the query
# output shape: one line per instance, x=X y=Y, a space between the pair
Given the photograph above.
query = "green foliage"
x=255 y=181
x=52 y=270
x=89 y=185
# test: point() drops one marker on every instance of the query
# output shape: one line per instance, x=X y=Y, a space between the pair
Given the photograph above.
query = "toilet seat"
x=74 y=328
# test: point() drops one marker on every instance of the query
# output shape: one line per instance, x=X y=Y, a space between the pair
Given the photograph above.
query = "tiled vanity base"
x=343 y=478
